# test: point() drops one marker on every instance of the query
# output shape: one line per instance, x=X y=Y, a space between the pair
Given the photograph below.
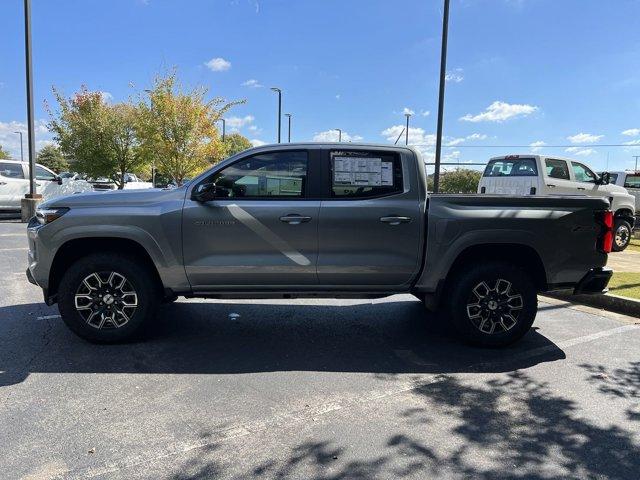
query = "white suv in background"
x=542 y=175
x=14 y=184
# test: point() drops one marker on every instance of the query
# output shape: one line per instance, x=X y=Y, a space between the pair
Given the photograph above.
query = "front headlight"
x=48 y=215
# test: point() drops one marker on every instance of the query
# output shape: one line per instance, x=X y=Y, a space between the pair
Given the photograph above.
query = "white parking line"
x=13 y=234
x=48 y=317
x=16 y=249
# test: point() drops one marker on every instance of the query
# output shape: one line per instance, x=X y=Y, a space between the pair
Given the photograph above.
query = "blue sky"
x=562 y=72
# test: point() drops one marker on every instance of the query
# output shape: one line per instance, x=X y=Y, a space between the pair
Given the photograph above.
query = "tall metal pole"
x=30 y=123
x=636 y=157
x=406 y=130
x=288 y=115
x=224 y=128
x=339 y=135
x=443 y=68
x=396 y=142
x=21 y=149
x=275 y=89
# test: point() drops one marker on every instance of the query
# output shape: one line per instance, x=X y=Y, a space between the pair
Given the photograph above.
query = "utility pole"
x=406 y=131
x=31 y=199
x=288 y=115
x=21 y=149
x=443 y=68
x=636 y=158
x=224 y=128
x=339 y=134
x=276 y=89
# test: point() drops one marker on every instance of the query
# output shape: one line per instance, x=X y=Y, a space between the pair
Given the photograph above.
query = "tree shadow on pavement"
x=198 y=337
x=514 y=427
x=621 y=383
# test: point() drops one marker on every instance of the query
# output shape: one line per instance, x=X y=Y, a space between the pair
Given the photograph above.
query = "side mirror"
x=605 y=178
x=205 y=192
x=58 y=179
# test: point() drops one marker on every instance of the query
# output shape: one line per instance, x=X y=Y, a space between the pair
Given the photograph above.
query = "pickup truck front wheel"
x=107 y=298
x=493 y=305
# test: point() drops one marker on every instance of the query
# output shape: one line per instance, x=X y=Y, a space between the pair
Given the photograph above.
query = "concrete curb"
x=626 y=306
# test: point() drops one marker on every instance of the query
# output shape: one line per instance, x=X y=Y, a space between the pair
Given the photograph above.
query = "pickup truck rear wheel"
x=621 y=234
x=107 y=298
x=493 y=305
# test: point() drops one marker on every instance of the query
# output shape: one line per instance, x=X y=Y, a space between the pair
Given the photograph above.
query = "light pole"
x=406 y=130
x=636 y=157
x=224 y=128
x=276 y=89
x=31 y=199
x=339 y=134
x=443 y=67
x=288 y=115
x=21 y=149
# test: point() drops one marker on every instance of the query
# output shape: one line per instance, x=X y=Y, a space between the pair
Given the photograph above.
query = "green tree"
x=235 y=143
x=4 y=154
x=178 y=129
x=50 y=156
x=101 y=138
x=460 y=180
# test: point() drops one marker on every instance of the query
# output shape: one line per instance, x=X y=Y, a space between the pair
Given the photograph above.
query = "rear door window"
x=557 y=169
x=362 y=174
x=11 y=170
x=511 y=167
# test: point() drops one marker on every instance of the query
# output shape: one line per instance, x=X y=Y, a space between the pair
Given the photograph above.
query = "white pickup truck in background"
x=551 y=176
x=14 y=184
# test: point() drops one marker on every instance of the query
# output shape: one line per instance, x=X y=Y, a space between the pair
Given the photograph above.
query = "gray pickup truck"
x=315 y=220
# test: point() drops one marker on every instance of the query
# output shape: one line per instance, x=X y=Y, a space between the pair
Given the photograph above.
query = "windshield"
x=511 y=167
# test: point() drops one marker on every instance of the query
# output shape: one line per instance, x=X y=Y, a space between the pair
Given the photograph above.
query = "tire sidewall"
x=462 y=288
x=620 y=223
x=138 y=277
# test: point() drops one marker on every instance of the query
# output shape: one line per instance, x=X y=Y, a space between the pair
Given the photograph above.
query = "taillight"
x=605 y=239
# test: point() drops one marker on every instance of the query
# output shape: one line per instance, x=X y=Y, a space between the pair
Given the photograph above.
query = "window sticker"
x=362 y=172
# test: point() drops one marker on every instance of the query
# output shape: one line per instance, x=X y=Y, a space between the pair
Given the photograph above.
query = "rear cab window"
x=365 y=174
x=632 y=181
x=511 y=167
x=557 y=169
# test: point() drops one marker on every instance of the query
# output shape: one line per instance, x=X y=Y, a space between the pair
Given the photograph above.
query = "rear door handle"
x=295 y=219
x=3 y=183
x=395 y=220
x=551 y=185
x=581 y=188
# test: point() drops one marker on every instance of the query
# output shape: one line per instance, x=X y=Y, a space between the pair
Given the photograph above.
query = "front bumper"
x=595 y=281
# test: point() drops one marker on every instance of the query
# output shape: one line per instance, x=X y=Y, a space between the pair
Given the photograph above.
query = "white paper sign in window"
x=362 y=171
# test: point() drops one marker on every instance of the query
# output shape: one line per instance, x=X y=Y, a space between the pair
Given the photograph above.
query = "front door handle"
x=551 y=185
x=3 y=183
x=394 y=220
x=295 y=219
x=581 y=188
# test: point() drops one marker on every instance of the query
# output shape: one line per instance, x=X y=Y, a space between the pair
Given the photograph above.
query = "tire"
x=108 y=298
x=492 y=305
x=621 y=235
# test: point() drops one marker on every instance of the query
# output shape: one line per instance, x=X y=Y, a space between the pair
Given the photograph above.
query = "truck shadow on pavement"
x=199 y=337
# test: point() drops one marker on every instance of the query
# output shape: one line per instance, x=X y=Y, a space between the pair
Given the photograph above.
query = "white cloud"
x=218 y=64
x=454 y=76
x=425 y=113
x=417 y=135
x=632 y=132
x=257 y=143
x=106 y=96
x=252 y=83
x=333 y=136
x=476 y=136
x=455 y=141
x=584 y=138
x=10 y=141
x=536 y=146
x=580 y=151
x=235 y=123
x=633 y=142
x=500 y=111
x=408 y=111
x=338 y=96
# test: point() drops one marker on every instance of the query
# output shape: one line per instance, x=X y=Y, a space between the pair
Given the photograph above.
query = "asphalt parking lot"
x=312 y=389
